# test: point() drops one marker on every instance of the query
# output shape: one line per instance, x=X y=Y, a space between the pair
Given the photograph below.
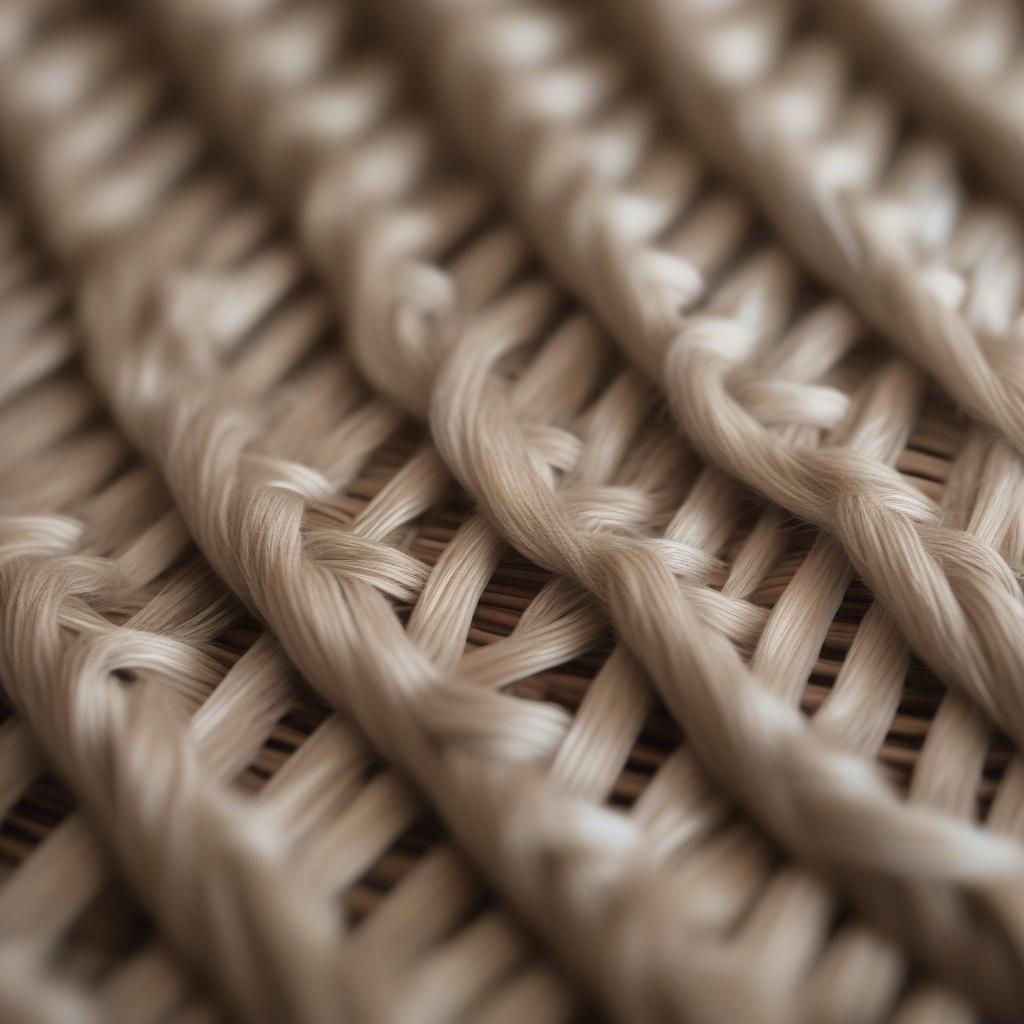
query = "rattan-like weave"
x=511 y=511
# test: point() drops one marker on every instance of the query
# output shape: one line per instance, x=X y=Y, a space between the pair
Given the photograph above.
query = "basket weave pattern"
x=510 y=511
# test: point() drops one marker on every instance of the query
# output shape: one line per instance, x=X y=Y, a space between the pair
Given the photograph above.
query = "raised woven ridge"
x=960 y=63
x=234 y=292
x=872 y=210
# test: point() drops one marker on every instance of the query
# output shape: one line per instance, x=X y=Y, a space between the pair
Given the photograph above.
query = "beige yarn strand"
x=815 y=178
x=957 y=601
x=202 y=347
x=960 y=63
x=513 y=724
x=126 y=748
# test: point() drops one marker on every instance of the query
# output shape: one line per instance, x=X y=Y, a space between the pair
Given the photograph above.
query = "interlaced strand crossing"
x=961 y=63
x=258 y=1002
x=247 y=62
x=966 y=610
x=508 y=724
x=487 y=682
x=775 y=107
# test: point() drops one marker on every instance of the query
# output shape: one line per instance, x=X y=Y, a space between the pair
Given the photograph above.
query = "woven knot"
x=676 y=281
x=404 y=307
x=556 y=448
x=201 y=307
x=638 y=217
x=608 y=507
x=416 y=311
x=348 y=192
x=492 y=725
x=573 y=834
x=319 y=118
x=684 y=559
x=109 y=654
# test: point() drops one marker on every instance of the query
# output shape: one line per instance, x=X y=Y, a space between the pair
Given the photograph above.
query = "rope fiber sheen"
x=511 y=510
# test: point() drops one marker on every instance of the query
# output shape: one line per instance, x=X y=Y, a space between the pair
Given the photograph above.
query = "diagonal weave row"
x=195 y=311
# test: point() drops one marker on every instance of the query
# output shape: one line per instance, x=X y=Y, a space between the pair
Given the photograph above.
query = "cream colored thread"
x=502 y=489
x=111 y=739
x=83 y=750
x=283 y=467
x=392 y=378
x=260 y=1001
x=492 y=121
x=225 y=741
x=465 y=92
x=209 y=712
x=21 y=532
x=970 y=590
x=816 y=184
x=470 y=783
x=132 y=844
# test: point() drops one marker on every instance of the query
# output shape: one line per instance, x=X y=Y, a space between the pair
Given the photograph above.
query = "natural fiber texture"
x=459 y=562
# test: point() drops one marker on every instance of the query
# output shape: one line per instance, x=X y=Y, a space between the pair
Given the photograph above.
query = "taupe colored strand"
x=261 y=496
x=520 y=731
x=956 y=599
x=960 y=63
x=249 y=69
x=777 y=114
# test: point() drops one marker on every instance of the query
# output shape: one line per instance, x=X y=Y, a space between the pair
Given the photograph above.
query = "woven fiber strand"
x=473 y=546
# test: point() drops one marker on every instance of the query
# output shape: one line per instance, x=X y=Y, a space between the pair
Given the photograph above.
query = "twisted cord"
x=748 y=110
x=210 y=874
x=126 y=749
x=567 y=862
x=477 y=92
x=226 y=746
x=288 y=477
x=334 y=167
x=739 y=728
x=280 y=470
x=394 y=375
x=959 y=63
x=187 y=609
x=954 y=597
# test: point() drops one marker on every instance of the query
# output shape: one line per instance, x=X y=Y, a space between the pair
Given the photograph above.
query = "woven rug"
x=511 y=511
